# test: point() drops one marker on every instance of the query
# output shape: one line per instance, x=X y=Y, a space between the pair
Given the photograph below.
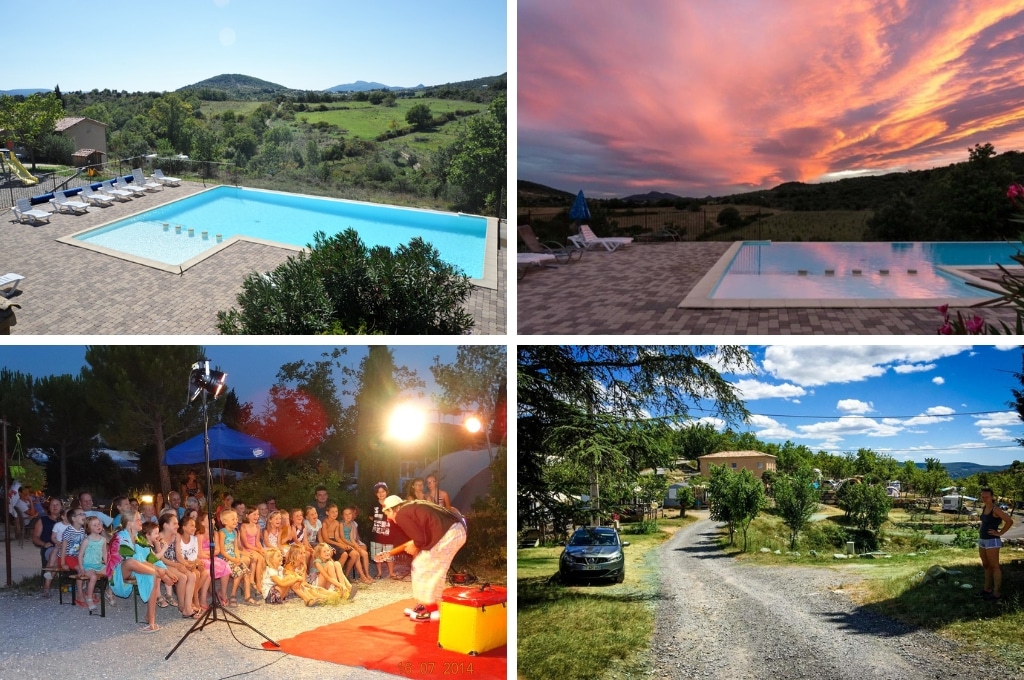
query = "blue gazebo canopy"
x=225 y=444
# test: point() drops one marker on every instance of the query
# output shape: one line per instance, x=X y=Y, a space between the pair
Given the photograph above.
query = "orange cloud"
x=699 y=98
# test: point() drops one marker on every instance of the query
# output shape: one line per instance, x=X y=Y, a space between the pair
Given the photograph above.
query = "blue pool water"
x=795 y=271
x=288 y=219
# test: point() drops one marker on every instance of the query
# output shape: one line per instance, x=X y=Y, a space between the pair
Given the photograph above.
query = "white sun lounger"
x=121 y=184
x=10 y=279
x=96 y=199
x=147 y=184
x=159 y=176
x=62 y=203
x=526 y=260
x=587 y=239
x=115 y=192
x=24 y=211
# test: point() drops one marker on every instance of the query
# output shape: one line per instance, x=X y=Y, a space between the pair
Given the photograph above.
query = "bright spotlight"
x=407 y=423
x=472 y=424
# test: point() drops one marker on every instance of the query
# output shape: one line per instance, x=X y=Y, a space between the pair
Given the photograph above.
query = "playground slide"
x=19 y=170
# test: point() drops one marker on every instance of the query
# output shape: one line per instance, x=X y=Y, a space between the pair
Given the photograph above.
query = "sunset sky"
x=699 y=98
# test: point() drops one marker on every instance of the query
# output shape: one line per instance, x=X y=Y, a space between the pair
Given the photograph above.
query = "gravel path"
x=719 y=618
x=44 y=640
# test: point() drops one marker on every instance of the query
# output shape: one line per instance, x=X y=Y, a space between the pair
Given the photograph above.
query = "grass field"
x=365 y=120
x=577 y=632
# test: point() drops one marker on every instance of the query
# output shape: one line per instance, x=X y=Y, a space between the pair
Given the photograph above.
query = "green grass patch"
x=571 y=632
x=366 y=121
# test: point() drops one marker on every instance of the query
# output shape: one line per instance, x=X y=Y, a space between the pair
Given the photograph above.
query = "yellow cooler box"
x=473 y=619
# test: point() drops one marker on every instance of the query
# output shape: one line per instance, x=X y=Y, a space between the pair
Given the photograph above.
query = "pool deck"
x=636 y=290
x=74 y=291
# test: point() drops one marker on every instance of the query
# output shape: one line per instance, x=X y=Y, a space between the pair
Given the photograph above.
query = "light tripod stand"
x=204 y=381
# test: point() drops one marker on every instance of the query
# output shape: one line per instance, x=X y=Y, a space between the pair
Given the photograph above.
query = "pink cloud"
x=702 y=98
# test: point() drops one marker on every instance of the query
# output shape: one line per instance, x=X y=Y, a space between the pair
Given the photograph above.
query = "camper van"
x=956 y=503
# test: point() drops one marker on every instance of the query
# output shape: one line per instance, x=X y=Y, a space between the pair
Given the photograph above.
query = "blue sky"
x=305 y=44
x=251 y=369
x=912 y=402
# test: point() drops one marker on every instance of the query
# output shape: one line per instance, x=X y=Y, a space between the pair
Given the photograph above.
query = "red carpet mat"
x=386 y=640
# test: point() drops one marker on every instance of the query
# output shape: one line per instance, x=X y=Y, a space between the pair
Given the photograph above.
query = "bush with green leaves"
x=344 y=287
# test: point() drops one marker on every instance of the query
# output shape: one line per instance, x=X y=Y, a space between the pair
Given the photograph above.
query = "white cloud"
x=1001 y=419
x=821 y=365
x=996 y=434
x=716 y=423
x=849 y=426
x=939 y=411
x=939 y=380
x=1005 y=348
x=855 y=406
x=913 y=368
x=755 y=389
x=769 y=428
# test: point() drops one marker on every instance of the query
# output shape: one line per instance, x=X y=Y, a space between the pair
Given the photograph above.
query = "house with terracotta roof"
x=755 y=461
x=89 y=136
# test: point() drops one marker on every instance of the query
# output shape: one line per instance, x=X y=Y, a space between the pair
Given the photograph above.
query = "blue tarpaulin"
x=579 y=210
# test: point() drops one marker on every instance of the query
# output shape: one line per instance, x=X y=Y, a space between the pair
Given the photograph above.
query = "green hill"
x=961 y=470
x=236 y=86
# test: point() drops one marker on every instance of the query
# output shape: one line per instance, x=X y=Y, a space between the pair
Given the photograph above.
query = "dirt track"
x=719 y=618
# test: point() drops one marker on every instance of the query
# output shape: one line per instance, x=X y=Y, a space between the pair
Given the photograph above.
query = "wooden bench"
x=74 y=581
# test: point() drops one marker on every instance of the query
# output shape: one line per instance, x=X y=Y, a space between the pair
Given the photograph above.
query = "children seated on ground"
x=264 y=512
x=165 y=546
x=359 y=552
x=298 y=534
x=277 y=533
x=250 y=542
x=93 y=553
x=296 y=565
x=313 y=525
x=329 y=573
x=207 y=546
x=278 y=584
x=127 y=557
x=332 y=534
x=186 y=551
x=228 y=549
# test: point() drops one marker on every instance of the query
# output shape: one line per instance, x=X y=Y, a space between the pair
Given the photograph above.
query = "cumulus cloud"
x=998 y=434
x=939 y=380
x=811 y=366
x=756 y=389
x=848 y=426
x=1001 y=419
x=854 y=406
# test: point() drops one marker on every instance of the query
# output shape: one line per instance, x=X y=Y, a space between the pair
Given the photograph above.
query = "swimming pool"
x=762 y=273
x=177 y=235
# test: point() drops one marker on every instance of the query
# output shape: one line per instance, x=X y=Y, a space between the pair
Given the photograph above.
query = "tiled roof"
x=70 y=121
x=736 y=454
x=85 y=153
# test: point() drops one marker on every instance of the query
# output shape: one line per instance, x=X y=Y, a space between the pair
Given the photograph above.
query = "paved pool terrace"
x=74 y=291
x=637 y=290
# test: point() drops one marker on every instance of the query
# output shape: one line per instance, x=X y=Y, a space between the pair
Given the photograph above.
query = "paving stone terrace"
x=74 y=291
x=637 y=290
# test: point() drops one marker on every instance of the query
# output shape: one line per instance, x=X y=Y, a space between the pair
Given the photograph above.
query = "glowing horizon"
x=713 y=98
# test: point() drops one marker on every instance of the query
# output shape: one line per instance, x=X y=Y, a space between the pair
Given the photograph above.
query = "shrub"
x=729 y=218
x=344 y=287
x=56 y=149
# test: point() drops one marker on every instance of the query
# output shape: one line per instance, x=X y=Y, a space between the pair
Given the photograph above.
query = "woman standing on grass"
x=989 y=543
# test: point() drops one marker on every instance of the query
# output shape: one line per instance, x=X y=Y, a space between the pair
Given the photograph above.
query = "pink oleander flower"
x=975 y=325
x=943 y=309
x=1015 y=191
x=946 y=329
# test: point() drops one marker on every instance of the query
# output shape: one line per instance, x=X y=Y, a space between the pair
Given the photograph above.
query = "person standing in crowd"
x=435 y=536
x=380 y=533
x=320 y=502
x=436 y=494
x=190 y=488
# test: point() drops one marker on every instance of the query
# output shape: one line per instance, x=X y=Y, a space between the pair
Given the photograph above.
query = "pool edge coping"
x=489 y=279
x=698 y=298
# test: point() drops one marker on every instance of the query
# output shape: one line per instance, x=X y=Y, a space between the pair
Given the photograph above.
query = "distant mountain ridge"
x=363 y=86
x=26 y=91
x=238 y=86
x=961 y=470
